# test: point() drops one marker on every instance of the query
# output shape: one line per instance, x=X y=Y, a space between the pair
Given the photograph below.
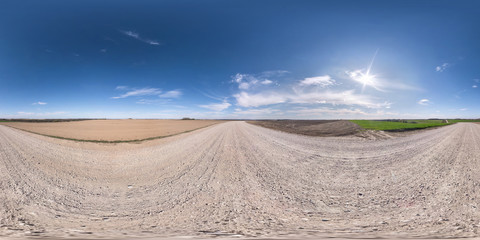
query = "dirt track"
x=242 y=179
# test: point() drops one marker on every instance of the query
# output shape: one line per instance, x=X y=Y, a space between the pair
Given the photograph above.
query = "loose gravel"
x=235 y=179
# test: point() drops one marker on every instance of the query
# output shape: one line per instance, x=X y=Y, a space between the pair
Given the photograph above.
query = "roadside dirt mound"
x=374 y=135
x=312 y=127
x=239 y=180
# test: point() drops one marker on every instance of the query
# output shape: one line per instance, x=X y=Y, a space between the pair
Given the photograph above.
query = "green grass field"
x=406 y=124
x=463 y=120
x=398 y=126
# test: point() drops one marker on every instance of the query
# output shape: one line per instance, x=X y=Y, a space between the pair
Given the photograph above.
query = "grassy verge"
x=398 y=126
x=463 y=120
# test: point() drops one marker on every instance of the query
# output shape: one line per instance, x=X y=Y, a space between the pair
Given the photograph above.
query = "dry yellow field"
x=112 y=130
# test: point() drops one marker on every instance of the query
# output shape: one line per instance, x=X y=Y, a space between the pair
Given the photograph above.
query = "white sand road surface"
x=239 y=180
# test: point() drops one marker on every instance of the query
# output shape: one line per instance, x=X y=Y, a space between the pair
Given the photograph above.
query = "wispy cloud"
x=147 y=91
x=217 y=106
x=442 y=67
x=137 y=36
x=325 y=110
x=249 y=81
x=140 y=92
x=40 y=114
x=266 y=82
x=336 y=113
x=121 y=88
x=424 y=102
x=257 y=112
x=474 y=86
x=244 y=80
x=39 y=103
x=171 y=94
x=346 y=97
x=245 y=99
x=25 y=113
x=322 y=81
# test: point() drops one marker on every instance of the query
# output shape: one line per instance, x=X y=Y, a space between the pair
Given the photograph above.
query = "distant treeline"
x=48 y=120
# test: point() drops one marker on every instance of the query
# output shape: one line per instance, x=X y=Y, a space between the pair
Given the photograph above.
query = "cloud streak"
x=424 y=102
x=171 y=94
x=140 y=92
x=39 y=103
x=348 y=97
x=137 y=36
x=442 y=67
x=217 y=107
x=321 y=81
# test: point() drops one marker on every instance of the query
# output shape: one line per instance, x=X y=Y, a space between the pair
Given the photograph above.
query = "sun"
x=365 y=77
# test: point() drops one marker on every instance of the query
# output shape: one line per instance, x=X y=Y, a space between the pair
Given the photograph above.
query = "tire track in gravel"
x=237 y=178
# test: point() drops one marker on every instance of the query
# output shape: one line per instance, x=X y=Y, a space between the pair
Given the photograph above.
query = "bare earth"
x=324 y=128
x=235 y=179
x=112 y=130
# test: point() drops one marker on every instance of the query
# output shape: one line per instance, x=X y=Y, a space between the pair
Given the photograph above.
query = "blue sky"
x=240 y=59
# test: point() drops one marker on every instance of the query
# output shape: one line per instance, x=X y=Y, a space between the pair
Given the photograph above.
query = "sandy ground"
x=112 y=130
x=235 y=179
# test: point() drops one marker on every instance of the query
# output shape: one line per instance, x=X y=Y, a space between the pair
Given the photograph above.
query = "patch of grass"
x=463 y=120
x=398 y=125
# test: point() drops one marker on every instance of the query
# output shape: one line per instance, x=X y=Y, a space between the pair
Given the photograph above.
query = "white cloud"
x=348 y=97
x=275 y=73
x=463 y=109
x=131 y=34
x=474 y=86
x=243 y=85
x=255 y=100
x=325 y=110
x=153 y=101
x=25 y=113
x=140 y=92
x=322 y=81
x=339 y=113
x=171 y=94
x=39 y=114
x=248 y=81
x=39 y=103
x=442 y=67
x=121 y=88
x=266 y=82
x=245 y=81
x=152 y=42
x=217 y=106
x=138 y=37
x=257 y=112
x=424 y=102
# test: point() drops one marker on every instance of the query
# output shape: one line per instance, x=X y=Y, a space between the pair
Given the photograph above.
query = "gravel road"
x=235 y=179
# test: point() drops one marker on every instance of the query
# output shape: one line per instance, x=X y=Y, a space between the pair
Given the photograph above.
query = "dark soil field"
x=323 y=128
